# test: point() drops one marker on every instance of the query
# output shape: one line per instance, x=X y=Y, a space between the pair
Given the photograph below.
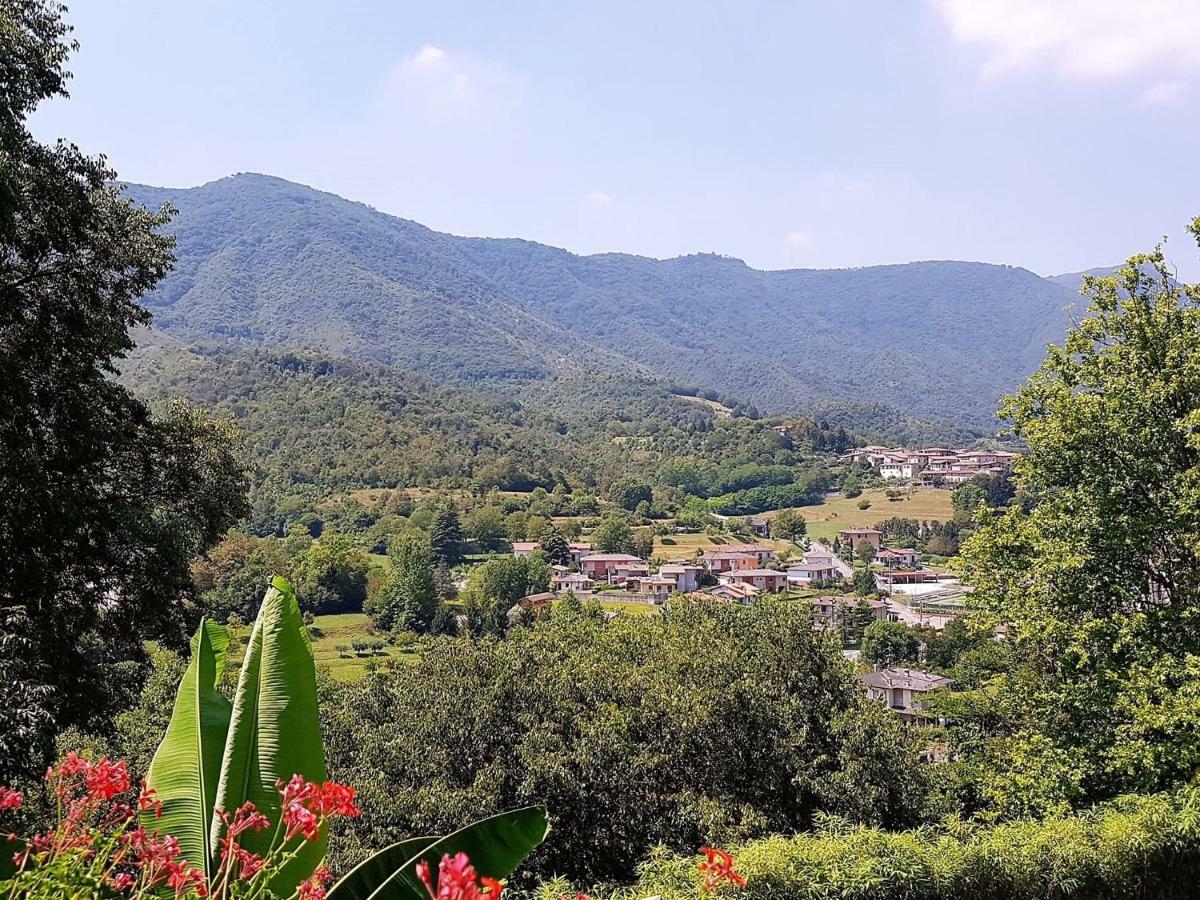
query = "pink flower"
x=457 y=880
x=10 y=799
x=314 y=889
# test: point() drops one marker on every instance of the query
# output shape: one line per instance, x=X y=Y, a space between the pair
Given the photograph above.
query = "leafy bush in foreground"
x=1145 y=846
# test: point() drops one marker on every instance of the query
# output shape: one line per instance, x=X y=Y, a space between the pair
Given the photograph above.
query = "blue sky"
x=1051 y=134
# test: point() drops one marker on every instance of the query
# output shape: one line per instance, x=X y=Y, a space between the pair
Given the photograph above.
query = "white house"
x=904 y=690
x=817 y=565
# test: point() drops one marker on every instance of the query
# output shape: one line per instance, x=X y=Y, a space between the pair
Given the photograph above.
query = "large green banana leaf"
x=496 y=847
x=274 y=732
x=187 y=765
x=360 y=882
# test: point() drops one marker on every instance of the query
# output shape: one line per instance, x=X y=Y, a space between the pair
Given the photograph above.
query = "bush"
x=1136 y=846
x=709 y=724
x=864 y=503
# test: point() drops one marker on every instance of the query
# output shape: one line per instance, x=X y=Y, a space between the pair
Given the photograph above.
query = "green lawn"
x=830 y=517
x=343 y=629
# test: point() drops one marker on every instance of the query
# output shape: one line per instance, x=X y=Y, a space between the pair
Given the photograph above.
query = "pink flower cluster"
x=97 y=829
x=457 y=880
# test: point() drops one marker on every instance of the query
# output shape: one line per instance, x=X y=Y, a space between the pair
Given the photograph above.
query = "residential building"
x=760 y=552
x=524 y=548
x=579 y=551
x=905 y=690
x=687 y=576
x=817 y=565
x=602 y=565
x=828 y=611
x=735 y=592
x=572 y=581
x=536 y=604
x=769 y=580
x=658 y=586
x=852 y=537
x=727 y=560
x=904 y=557
x=759 y=525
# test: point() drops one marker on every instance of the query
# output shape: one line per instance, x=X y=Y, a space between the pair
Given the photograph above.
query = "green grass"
x=344 y=628
x=830 y=517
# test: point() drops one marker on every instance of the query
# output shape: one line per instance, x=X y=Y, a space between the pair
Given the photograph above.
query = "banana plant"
x=218 y=754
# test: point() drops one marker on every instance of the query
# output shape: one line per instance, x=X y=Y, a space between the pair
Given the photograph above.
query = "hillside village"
x=931 y=466
x=827 y=575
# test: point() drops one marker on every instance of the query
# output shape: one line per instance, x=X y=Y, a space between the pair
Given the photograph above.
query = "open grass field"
x=826 y=520
x=688 y=545
x=335 y=631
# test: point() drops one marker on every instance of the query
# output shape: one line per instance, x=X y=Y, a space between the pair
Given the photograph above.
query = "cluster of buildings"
x=744 y=571
x=930 y=466
x=734 y=572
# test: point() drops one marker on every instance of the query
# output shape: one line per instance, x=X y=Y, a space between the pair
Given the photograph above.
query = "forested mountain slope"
x=272 y=263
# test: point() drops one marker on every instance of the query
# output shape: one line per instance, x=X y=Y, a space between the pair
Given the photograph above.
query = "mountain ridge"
x=264 y=261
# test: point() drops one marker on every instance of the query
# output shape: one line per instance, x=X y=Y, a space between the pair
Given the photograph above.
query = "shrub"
x=708 y=724
x=1143 y=846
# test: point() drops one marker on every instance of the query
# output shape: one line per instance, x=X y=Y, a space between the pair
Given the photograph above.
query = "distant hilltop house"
x=905 y=691
x=930 y=465
x=760 y=526
x=524 y=548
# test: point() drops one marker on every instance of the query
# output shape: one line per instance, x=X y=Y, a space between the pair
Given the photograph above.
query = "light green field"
x=689 y=545
x=344 y=628
x=826 y=520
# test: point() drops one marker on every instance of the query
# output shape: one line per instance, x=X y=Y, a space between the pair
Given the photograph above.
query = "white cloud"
x=1078 y=38
x=597 y=199
x=797 y=240
x=429 y=55
x=1164 y=93
x=444 y=84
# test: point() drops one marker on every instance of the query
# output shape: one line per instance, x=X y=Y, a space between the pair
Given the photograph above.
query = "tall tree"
x=613 y=535
x=104 y=505
x=1099 y=579
x=445 y=535
x=408 y=598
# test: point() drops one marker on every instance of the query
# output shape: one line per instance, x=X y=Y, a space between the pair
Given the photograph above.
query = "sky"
x=1051 y=134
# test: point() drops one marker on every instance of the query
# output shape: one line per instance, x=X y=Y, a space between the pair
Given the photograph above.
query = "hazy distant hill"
x=268 y=262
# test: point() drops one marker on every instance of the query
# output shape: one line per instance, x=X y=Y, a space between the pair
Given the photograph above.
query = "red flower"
x=249 y=864
x=105 y=779
x=245 y=818
x=336 y=800
x=148 y=800
x=10 y=799
x=717 y=869
x=313 y=889
x=299 y=819
x=122 y=881
x=457 y=880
